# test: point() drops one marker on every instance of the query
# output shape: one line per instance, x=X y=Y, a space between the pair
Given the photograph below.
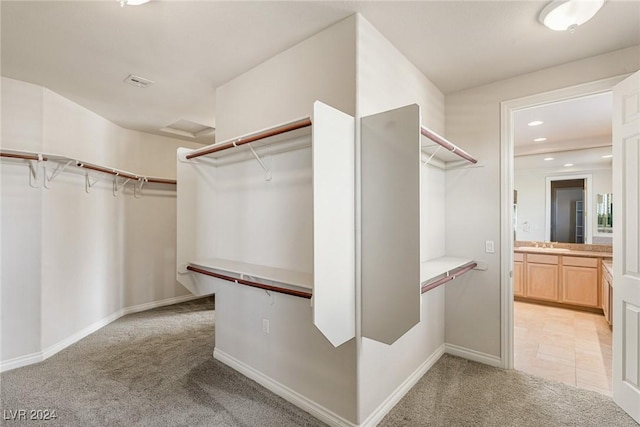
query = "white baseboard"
x=20 y=361
x=292 y=396
x=476 y=356
x=32 y=358
x=395 y=397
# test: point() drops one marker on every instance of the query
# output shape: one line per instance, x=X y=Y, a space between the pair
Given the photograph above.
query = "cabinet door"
x=518 y=279
x=605 y=298
x=542 y=281
x=580 y=286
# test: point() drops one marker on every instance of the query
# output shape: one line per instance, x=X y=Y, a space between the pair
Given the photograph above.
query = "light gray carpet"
x=156 y=369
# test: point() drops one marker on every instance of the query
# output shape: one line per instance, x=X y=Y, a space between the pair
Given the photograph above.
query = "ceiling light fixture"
x=132 y=2
x=563 y=15
x=540 y=139
x=607 y=156
x=568 y=165
x=535 y=123
x=548 y=159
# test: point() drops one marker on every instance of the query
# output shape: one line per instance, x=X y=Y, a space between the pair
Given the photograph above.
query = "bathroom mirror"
x=604 y=208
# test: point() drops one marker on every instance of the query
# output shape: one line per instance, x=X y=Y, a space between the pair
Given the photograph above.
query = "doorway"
x=567 y=222
x=528 y=224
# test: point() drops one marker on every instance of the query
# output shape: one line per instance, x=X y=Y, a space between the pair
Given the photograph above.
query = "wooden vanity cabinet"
x=542 y=277
x=518 y=274
x=580 y=281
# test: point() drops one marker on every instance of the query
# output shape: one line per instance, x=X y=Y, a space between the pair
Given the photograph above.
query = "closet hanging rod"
x=298 y=124
x=24 y=156
x=45 y=157
x=451 y=276
x=293 y=292
x=446 y=144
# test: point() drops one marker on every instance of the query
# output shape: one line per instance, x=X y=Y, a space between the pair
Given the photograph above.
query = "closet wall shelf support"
x=267 y=172
x=440 y=140
x=250 y=283
x=65 y=162
x=450 y=275
x=278 y=130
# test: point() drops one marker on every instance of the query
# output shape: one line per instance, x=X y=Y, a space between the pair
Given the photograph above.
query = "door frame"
x=507 y=111
x=588 y=202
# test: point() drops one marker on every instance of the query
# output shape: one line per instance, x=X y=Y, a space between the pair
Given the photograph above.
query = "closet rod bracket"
x=34 y=168
x=267 y=172
x=57 y=171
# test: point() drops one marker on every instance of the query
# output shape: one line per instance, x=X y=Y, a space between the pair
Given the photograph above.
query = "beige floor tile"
x=563 y=345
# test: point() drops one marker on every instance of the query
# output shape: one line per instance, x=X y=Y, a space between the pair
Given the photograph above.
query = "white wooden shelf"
x=281 y=276
x=434 y=268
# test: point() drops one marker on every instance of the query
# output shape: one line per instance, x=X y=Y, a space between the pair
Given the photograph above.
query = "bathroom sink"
x=526 y=248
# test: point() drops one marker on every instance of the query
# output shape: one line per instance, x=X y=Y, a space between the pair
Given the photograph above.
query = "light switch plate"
x=489 y=247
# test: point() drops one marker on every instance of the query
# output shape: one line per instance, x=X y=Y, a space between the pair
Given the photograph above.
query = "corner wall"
x=71 y=261
x=387 y=80
x=473 y=121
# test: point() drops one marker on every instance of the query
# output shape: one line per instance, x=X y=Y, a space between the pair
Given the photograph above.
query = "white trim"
x=476 y=356
x=507 y=109
x=395 y=397
x=32 y=358
x=20 y=361
x=292 y=396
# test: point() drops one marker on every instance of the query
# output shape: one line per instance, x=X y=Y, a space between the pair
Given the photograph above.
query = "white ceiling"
x=84 y=50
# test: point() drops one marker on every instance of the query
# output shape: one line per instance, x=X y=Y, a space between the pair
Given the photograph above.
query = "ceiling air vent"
x=138 y=81
x=189 y=129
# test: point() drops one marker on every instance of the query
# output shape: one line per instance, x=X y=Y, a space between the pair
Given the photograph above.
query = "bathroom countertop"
x=560 y=251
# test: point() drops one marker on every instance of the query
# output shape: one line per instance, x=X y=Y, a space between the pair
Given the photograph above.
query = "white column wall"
x=83 y=257
x=387 y=80
x=473 y=196
x=294 y=354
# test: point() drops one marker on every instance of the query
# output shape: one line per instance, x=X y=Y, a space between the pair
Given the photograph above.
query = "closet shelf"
x=15 y=154
x=439 y=271
x=288 y=282
x=433 y=150
x=266 y=137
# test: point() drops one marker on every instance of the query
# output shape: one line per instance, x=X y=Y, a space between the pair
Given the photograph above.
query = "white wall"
x=531 y=186
x=283 y=88
x=473 y=196
x=387 y=80
x=294 y=354
x=82 y=258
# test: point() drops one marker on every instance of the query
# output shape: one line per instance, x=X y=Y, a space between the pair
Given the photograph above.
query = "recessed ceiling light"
x=568 y=165
x=608 y=156
x=132 y=2
x=535 y=123
x=562 y=15
x=548 y=159
x=540 y=139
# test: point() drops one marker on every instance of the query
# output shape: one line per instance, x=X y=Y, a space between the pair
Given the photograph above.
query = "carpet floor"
x=156 y=369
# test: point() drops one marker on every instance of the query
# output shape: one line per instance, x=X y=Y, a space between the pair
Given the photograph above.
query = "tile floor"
x=569 y=346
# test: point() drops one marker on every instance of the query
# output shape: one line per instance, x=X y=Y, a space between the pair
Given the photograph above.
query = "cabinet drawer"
x=542 y=259
x=518 y=256
x=580 y=261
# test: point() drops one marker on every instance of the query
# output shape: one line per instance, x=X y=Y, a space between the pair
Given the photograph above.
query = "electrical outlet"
x=265 y=326
x=489 y=247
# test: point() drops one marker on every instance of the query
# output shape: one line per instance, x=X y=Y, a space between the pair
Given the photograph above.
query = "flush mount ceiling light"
x=563 y=15
x=132 y=2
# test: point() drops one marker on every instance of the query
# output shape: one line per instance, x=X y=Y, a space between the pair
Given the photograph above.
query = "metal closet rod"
x=298 y=124
x=451 y=276
x=244 y=282
x=446 y=144
x=30 y=156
